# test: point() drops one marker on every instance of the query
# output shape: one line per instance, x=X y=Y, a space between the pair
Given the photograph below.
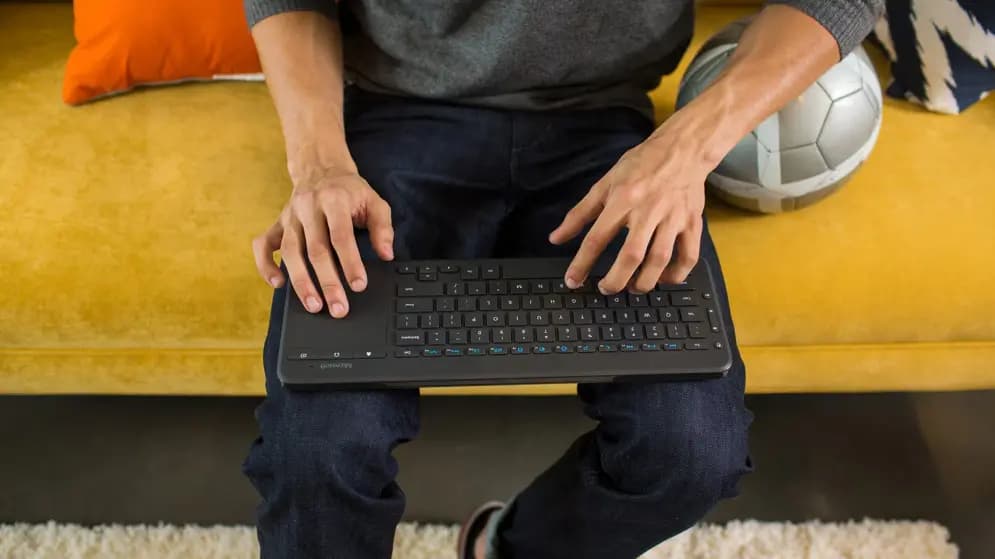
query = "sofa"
x=126 y=227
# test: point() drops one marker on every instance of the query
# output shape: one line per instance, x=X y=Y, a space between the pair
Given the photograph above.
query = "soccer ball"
x=805 y=151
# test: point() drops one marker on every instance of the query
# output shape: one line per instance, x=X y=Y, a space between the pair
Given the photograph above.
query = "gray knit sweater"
x=531 y=54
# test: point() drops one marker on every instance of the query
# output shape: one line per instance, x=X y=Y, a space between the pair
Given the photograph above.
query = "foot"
x=473 y=534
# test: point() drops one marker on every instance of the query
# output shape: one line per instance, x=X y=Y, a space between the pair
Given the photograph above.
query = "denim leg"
x=323 y=467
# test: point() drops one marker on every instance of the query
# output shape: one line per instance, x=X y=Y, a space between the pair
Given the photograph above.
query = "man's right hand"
x=317 y=223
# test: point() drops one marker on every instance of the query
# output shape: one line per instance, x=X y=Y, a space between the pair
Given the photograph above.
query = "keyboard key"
x=650 y=346
x=671 y=346
x=615 y=301
x=432 y=352
x=452 y=320
x=519 y=349
x=539 y=318
x=523 y=335
x=409 y=338
x=419 y=290
x=560 y=287
x=655 y=332
x=637 y=300
x=692 y=314
x=473 y=319
x=454 y=352
x=573 y=301
x=518 y=287
x=407 y=321
x=494 y=319
x=677 y=331
x=479 y=336
x=474 y=351
x=497 y=287
x=625 y=316
x=457 y=337
x=713 y=320
x=435 y=337
x=470 y=272
x=409 y=352
x=426 y=269
x=487 y=303
x=539 y=286
x=497 y=350
x=545 y=334
x=707 y=296
x=647 y=316
x=633 y=332
x=604 y=317
x=583 y=317
x=445 y=304
x=566 y=334
x=694 y=346
x=476 y=288
x=560 y=317
x=448 y=269
x=552 y=302
x=628 y=346
x=429 y=276
x=429 y=320
x=611 y=332
x=405 y=268
x=696 y=330
x=531 y=302
x=491 y=272
x=588 y=333
x=413 y=305
x=586 y=348
x=542 y=349
x=509 y=303
x=668 y=315
x=607 y=348
x=454 y=288
x=466 y=304
x=501 y=335
x=658 y=299
x=563 y=348
x=518 y=318
x=594 y=301
x=369 y=354
x=682 y=299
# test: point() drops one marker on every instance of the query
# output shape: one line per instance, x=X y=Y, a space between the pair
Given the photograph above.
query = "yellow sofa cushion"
x=126 y=225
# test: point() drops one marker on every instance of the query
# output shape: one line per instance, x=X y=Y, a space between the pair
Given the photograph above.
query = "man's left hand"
x=656 y=191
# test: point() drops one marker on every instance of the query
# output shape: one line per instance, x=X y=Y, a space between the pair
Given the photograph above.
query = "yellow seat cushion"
x=126 y=225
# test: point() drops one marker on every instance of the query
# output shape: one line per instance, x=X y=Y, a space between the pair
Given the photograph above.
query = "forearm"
x=301 y=55
x=781 y=53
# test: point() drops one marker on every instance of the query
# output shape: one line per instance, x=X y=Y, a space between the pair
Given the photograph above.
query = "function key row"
x=547 y=349
x=427 y=272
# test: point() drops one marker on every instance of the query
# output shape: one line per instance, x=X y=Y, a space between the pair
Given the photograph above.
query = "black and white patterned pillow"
x=942 y=51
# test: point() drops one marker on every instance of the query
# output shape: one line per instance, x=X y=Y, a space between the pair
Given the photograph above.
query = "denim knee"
x=681 y=441
x=310 y=440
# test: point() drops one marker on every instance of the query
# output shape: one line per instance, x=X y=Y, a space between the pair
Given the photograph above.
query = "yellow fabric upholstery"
x=125 y=228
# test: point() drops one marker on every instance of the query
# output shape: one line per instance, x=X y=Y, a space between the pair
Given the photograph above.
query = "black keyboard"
x=504 y=321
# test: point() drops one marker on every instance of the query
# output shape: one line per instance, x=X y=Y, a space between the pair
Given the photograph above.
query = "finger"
x=657 y=258
x=602 y=232
x=292 y=251
x=629 y=258
x=688 y=250
x=586 y=211
x=381 y=229
x=343 y=236
x=319 y=253
x=263 y=248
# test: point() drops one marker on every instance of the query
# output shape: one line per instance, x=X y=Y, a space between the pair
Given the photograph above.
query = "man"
x=477 y=128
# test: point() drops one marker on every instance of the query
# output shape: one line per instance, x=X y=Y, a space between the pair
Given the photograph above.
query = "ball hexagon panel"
x=850 y=123
x=800 y=121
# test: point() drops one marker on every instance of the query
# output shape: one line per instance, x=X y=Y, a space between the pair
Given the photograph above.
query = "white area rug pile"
x=737 y=540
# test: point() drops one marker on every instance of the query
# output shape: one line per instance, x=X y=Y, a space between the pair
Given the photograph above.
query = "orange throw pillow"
x=121 y=44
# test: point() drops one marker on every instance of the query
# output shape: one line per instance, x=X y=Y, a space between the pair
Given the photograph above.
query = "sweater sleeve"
x=258 y=10
x=849 y=21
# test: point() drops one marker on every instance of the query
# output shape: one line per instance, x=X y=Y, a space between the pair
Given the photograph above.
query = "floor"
x=834 y=457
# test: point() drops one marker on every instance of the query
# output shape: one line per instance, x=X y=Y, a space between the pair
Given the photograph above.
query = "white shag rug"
x=868 y=539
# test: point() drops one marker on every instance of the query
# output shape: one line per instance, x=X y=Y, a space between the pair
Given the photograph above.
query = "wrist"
x=319 y=157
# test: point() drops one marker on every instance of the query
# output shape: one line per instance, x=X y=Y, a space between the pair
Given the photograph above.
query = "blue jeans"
x=472 y=182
